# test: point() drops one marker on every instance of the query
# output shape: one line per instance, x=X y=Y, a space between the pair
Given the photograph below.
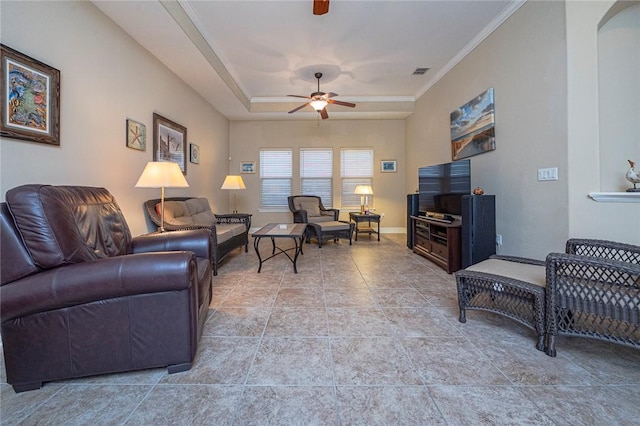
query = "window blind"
x=316 y=174
x=276 y=171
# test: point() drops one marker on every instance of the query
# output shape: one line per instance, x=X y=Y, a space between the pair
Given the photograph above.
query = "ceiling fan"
x=319 y=100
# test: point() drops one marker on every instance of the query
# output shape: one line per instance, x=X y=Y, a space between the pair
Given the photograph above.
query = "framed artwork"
x=247 y=167
x=136 y=135
x=388 y=166
x=194 y=153
x=169 y=141
x=30 y=95
x=473 y=127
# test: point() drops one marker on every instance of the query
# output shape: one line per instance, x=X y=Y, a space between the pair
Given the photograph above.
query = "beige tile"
x=292 y=361
x=387 y=405
x=587 y=405
x=188 y=405
x=303 y=322
x=371 y=361
x=419 y=322
x=451 y=360
x=300 y=297
x=242 y=296
x=400 y=297
x=349 y=297
x=15 y=407
x=358 y=322
x=249 y=321
x=88 y=404
x=220 y=360
x=287 y=405
x=488 y=405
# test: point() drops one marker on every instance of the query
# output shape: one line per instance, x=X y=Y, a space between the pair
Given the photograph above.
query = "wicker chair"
x=309 y=209
x=593 y=290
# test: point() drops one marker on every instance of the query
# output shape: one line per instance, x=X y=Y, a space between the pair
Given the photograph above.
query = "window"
x=316 y=174
x=276 y=170
x=356 y=168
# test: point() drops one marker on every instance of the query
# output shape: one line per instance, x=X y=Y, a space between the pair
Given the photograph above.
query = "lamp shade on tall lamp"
x=162 y=174
x=233 y=182
x=364 y=191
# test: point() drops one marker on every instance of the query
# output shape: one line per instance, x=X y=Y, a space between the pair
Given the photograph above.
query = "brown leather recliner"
x=79 y=296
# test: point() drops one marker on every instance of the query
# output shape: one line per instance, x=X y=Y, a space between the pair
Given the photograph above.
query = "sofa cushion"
x=226 y=231
x=68 y=224
x=176 y=213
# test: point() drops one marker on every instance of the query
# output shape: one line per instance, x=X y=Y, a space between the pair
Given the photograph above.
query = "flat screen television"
x=442 y=186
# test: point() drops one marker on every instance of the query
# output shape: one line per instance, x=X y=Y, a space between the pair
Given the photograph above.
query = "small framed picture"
x=388 y=166
x=136 y=135
x=247 y=167
x=194 y=153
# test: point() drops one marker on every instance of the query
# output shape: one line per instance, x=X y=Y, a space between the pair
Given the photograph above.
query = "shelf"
x=615 y=197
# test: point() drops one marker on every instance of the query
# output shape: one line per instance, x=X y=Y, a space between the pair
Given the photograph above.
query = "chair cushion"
x=68 y=224
x=320 y=219
x=333 y=226
x=312 y=207
x=534 y=274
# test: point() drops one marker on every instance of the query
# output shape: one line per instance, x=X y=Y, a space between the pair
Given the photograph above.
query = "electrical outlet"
x=381 y=215
x=499 y=239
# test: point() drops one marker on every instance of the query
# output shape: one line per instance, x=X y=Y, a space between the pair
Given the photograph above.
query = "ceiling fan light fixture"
x=318 y=104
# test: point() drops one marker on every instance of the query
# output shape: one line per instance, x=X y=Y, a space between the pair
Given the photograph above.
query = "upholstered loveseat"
x=80 y=296
x=228 y=231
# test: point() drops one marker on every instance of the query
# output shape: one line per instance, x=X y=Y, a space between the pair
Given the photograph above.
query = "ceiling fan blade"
x=324 y=114
x=320 y=7
x=347 y=104
x=298 y=108
x=298 y=96
x=331 y=95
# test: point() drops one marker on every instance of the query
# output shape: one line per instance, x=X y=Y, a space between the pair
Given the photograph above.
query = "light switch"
x=550 y=173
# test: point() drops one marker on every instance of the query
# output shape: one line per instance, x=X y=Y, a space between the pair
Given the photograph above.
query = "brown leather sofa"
x=80 y=296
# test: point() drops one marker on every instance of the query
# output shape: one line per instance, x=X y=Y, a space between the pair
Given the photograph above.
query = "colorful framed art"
x=30 y=94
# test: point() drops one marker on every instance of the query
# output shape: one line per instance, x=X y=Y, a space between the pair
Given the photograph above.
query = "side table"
x=370 y=218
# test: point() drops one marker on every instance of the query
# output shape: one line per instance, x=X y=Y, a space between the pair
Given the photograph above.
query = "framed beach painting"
x=247 y=167
x=388 y=166
x=473 y=127
x=169 y=141
x=30 y=95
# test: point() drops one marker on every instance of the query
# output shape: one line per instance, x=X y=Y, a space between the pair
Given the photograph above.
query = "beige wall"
x=524 y=60
x=106 y=77
x=386 y=137
x=616 y=221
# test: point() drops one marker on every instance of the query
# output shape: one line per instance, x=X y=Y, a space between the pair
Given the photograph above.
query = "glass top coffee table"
x=294 y=231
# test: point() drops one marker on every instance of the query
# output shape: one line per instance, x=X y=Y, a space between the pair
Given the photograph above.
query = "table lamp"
x=233 y=182
x=162 y=174
x=364 y=191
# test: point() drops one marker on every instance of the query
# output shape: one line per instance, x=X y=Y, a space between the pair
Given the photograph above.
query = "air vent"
x=420 y=71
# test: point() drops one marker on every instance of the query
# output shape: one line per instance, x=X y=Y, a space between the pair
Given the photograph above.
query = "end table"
x=370 y=218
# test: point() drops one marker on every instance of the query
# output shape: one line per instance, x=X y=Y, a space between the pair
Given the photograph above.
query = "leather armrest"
x=194 y=240
x=97 y=280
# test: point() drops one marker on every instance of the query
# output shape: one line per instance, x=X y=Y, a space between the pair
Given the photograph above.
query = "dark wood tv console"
x=438 y=241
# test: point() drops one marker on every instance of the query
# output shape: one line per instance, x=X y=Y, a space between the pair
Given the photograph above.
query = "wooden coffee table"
x=293 y=231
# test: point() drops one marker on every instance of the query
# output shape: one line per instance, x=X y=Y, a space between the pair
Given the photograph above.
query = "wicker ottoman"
x=330 y=230
x=510 y=286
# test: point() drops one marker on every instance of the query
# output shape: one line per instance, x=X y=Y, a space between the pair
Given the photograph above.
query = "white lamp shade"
x=233 y=182
x=363 y=190
x=162 y=174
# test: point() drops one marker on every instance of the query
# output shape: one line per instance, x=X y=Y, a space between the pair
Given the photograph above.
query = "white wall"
x=106 y=77
x=524 y=60
x=386 y=137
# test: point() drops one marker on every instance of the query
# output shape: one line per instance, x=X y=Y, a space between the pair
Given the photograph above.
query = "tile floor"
x=363 y=335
